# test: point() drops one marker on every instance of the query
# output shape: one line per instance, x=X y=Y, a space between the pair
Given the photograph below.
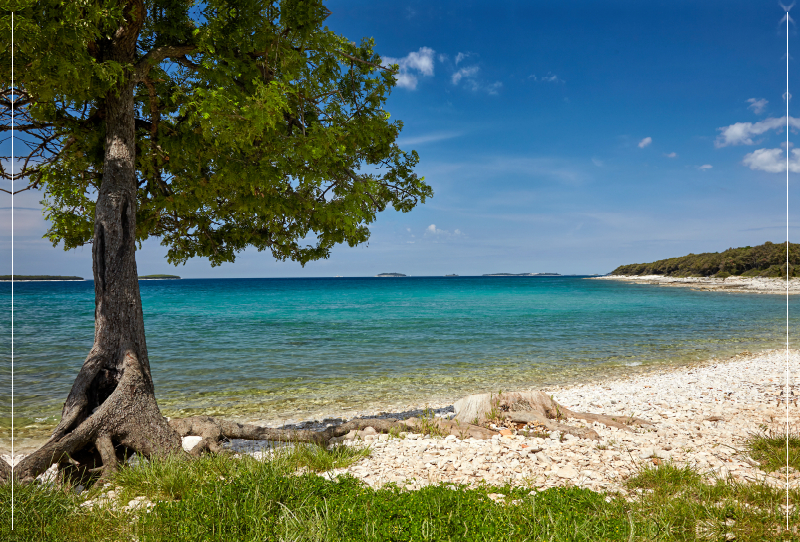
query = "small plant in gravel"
x=769 y=449
x=428 y=426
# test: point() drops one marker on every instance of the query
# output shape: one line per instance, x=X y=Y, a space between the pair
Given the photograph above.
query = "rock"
x=567 y=472
x=646 y=452
x=190 y=442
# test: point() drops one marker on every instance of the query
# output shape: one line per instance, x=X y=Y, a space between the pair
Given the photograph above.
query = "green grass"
x=220 y=498
x=769 y=449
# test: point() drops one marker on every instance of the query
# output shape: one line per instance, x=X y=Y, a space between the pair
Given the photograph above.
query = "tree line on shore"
x=767 y=260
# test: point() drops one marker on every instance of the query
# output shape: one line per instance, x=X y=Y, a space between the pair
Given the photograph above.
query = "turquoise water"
x=300 y=348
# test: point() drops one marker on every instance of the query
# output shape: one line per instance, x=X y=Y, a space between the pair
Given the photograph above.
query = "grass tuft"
x=769 y=449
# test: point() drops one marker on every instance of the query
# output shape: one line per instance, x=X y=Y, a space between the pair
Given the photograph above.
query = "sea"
x=291 y=349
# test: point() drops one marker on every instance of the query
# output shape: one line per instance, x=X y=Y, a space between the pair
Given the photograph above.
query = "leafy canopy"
x=254 y=125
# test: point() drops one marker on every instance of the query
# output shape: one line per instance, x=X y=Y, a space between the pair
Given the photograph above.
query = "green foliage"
x=767 y=260
x=254 y=124
x=769 y=449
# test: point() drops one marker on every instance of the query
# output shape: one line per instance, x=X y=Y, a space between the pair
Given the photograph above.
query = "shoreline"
x=732 y=284
x=701 y=415
x=440 y=403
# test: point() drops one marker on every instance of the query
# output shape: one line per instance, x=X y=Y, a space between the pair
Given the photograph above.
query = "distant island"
x=522 y=275
x=390 y=275
x=451 y=275
x=158 y=277
x=767 y=260
x=38 y=277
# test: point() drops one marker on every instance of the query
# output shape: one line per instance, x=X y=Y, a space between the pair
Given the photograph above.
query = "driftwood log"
x=535 y=407
x=213 y=431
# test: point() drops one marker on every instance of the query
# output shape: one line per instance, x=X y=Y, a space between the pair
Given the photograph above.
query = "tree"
x=211 y=125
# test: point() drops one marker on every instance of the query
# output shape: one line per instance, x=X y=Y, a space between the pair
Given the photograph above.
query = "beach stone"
x=646 y=453
x=567 y=472
x=190 y=442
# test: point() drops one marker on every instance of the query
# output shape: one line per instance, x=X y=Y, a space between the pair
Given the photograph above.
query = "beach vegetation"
x=222 y=497
x=767 y=260
x=770 y=449
x=427 y=424
x=212 y=126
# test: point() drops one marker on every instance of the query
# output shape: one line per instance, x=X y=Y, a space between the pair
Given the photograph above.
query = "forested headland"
x=767 y=260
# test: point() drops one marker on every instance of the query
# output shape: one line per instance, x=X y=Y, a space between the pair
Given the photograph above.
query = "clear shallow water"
x=297 y=348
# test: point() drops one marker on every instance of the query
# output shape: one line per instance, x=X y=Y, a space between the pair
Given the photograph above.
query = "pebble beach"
x=733 y=284
x=701 y=416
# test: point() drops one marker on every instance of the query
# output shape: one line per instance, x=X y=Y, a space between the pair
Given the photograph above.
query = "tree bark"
x=111 y=409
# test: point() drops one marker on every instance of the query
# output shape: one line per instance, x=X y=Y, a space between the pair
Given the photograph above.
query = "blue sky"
x=567 y=137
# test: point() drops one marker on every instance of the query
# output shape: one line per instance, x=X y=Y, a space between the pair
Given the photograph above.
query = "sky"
x=565 y=137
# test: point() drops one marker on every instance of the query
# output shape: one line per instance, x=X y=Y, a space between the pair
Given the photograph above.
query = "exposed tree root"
x=90 y=442
x=5 y=471
x=213 y=431
x=535 y=407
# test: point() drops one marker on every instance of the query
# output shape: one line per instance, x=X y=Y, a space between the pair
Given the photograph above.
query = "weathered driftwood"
x=534 y=407
x=213 y=431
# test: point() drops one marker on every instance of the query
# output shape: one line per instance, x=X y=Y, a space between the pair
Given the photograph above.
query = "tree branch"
x=351 y=57
x=154 y=56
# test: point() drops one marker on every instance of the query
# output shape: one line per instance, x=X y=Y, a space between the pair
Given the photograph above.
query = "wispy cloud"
x=549 y=78
x=671 y=155
x=772 y=160
x=494 y=88
x=412 y=65
x=465 y=72
x=428 y=138
x=433 y=230
x=461 y=56
x=742 y=133
x=466 y=75
x=757 y=106
x=645 y=142
x=705 y=167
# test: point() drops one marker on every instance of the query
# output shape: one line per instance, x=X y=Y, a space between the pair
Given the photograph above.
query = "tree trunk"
x=111 y=409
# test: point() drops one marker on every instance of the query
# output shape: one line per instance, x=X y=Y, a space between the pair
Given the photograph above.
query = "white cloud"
x=705 y=167
x=466 y=75
x=428 y=138
x=741 y=133
x=772 y=160
x=420 y=62
x=494 y=87
x=433 y=230
x=466 y=72
x=645 y=142
x=598 y=163
x=549 y=78
x=671 y=155
x=757 y=106
x=461 y=56
x=442 y=57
